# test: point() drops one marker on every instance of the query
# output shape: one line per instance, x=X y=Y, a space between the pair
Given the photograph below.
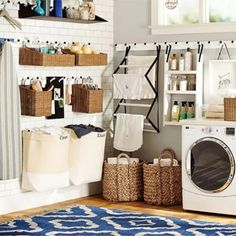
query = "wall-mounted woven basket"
x=29 y=56
x=86 y=100
x=35 y=103
x=91 y=59
x=230 y=109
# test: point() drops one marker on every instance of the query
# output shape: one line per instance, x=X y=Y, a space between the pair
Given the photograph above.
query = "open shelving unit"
x=195 y=96
x=26 y=12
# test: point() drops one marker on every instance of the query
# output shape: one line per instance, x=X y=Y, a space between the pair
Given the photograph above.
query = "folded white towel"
x=146 y=61
x=124 y=161
x=214 y=115
x=129 y=132
x=215 y=108
x=127 y=86
x=165 y=162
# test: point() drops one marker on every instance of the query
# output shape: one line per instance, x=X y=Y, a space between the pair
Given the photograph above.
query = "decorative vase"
x=39 y=10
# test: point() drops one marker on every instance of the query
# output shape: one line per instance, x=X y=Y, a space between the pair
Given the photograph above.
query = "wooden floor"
x=175 y=211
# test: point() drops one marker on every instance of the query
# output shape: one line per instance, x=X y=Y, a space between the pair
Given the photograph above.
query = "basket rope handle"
x=164 y=156
x=170 y=151
x=118 y=158
x=123 y=155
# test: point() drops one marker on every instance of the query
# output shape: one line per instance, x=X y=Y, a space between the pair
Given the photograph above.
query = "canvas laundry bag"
x=45 y=161
x=86 y=157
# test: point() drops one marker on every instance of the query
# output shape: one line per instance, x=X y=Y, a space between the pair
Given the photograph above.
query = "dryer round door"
x=210 y=165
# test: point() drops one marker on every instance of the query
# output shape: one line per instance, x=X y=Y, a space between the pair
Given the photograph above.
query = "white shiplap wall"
x=101 y=38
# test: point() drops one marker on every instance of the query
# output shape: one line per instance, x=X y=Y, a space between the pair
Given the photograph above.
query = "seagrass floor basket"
x=162 y=185
x=123 y=182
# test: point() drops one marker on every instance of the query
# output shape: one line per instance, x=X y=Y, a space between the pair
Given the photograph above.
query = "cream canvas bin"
x=86 y=157
x=45 y=161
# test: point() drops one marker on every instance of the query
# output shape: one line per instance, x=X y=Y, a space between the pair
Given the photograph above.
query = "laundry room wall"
x=136 y=17
x=100 y=36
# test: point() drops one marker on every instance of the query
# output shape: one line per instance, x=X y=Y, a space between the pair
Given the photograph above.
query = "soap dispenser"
x=175 y=112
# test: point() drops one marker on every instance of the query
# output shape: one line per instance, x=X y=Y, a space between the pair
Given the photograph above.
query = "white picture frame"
x=222 y=80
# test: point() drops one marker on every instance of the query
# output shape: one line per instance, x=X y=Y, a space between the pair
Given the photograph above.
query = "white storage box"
x=86 y=157
x=45 y=161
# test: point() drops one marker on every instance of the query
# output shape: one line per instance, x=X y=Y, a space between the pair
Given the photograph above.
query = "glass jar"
x=183 y=84
x=192 y=83
x=91 y=9
x=174 y=83
x=84 y=10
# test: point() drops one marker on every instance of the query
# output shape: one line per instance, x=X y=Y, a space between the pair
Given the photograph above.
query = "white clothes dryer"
x=208 y=169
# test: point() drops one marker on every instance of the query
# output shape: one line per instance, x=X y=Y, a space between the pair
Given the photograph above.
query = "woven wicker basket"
x=162 y=185
x=29 y=56
x=123 y=182
x=91 y=59
x=35 y=103
x=86 y=100
x=230 y=109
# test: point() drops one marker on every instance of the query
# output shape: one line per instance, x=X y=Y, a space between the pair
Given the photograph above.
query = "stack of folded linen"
x=215 y=112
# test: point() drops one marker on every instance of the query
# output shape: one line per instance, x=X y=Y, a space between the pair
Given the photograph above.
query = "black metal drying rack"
x=156 y=126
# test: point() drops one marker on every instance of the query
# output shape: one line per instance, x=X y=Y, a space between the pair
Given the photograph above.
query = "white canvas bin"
x=86 y=157
x=45 y=161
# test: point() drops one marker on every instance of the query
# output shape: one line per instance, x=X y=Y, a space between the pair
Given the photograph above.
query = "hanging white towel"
x=10 y=134
x=127 y=86
x=145 y=62
x=129 y=132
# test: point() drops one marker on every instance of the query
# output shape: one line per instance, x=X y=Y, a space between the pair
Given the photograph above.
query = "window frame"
x=158 y=28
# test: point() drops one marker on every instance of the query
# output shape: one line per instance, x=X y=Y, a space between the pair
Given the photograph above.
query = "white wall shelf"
x=195 y=96
x=181 y=92
x=177 y=72
x=182 y=122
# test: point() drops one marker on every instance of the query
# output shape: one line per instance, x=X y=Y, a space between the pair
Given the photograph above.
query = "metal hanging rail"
x=175 y=45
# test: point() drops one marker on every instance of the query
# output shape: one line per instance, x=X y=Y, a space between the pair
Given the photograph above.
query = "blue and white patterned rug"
x=84 y=220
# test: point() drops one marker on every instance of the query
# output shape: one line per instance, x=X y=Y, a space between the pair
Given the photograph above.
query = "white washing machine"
x=208 y=169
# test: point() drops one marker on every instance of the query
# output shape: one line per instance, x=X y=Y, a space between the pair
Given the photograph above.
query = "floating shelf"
x=173 y=123
x=181 y=92
x=177 y=72
x=25 y=11
x=181 y=122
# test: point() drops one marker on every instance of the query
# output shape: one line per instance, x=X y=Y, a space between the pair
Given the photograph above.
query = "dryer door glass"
x=211 y=165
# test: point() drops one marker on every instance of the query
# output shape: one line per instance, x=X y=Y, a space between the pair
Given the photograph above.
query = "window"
x=195 y=16
x=187 y=12
x=222 y=11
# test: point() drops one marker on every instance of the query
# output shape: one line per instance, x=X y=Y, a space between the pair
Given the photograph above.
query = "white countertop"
x=204 y=121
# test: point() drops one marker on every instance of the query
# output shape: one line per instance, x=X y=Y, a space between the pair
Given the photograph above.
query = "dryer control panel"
x=209 y=130
x=230 y=131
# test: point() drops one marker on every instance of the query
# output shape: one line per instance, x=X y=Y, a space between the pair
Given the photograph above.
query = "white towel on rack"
x=145 y=62
x=129 y=132
x=127 y=86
